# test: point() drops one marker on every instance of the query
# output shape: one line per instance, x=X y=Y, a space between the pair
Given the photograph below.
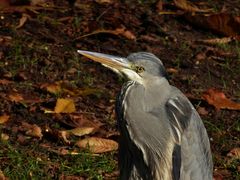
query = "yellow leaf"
x=81 y=131
x=98 y=145
x=4 y=137
x=64 y=106
x=4 y=118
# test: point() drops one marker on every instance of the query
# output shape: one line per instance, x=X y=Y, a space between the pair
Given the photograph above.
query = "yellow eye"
x=139 y=69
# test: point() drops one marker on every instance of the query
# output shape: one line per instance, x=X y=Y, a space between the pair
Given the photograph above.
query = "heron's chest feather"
x=148 y=126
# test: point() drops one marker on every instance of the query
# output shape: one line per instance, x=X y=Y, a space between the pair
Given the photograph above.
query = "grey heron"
x=162 y=137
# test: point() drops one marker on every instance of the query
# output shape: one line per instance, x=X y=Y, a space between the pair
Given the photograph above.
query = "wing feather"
x=191 y=136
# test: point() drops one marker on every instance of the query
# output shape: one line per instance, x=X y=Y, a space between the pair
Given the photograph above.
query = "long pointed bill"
x=114 y=62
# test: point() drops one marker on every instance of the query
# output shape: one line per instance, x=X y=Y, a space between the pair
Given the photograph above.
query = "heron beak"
x=113 y=62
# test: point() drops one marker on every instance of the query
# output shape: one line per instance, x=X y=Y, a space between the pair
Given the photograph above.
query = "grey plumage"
x=162 y=135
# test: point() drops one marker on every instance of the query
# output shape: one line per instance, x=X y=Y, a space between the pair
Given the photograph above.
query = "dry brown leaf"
x=4 y=118
x=4 y=137
x=66 y=87
x=187 y=6
x=5 y=82
x=119 y=31
x=202 y=111
x=52 y=88
x=37 y=2
x=104 y=1
x=159 y=5
x=81 y=131
x=172 y=70
x=126 y=33
x=65 y=135
x=234 y=153
x=32 y=130
x=98 y=145
x=88 y=91
x=222 y=23
x=214 y=41
x=64 y=106
x=2 y=176
x=15 y=97
x=23 y=20
x=219 y=100
x=81 y=120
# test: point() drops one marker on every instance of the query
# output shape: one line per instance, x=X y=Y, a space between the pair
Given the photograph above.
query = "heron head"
x=140 y=66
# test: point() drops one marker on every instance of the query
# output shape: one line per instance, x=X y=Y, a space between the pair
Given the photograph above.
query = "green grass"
x=18 y=162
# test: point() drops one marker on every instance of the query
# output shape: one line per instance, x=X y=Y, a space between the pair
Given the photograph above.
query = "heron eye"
x=139 y=69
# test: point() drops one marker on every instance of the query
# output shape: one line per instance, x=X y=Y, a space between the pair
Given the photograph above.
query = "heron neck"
x=156 y=81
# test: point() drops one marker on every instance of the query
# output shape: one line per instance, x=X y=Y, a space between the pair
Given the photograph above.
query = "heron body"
x=162 y=135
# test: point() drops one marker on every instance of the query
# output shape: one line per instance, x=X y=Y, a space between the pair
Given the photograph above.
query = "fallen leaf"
x=52 y=88
x=126 y=33
x=23 y=20
x=22 y=139
x=119 y=31
x=38 y=2
x=81 y=131
x=88 y=91
x=219 y=100
x=4 y=137
x=8 y=75
x=214 y=41
x=190 y=7
x=172 y=70
x=225 y=24
x=104 y=1
x=64 y=106
x=5 y=82
x=234 y=153
x=202 y=111
x=32 y=130
x=98 y=145
x=4 y=118
x=2 y=176
x=15 y=97
x=82 y=120
x=65 y=135
x=159 y=5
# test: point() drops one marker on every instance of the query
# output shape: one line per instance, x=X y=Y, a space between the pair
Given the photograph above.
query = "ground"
x=39 y=50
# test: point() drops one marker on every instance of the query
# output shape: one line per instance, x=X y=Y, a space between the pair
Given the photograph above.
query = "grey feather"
x=150 y=135
x=162 y=135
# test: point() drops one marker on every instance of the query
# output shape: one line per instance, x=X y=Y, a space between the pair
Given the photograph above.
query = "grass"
x=21 y=163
